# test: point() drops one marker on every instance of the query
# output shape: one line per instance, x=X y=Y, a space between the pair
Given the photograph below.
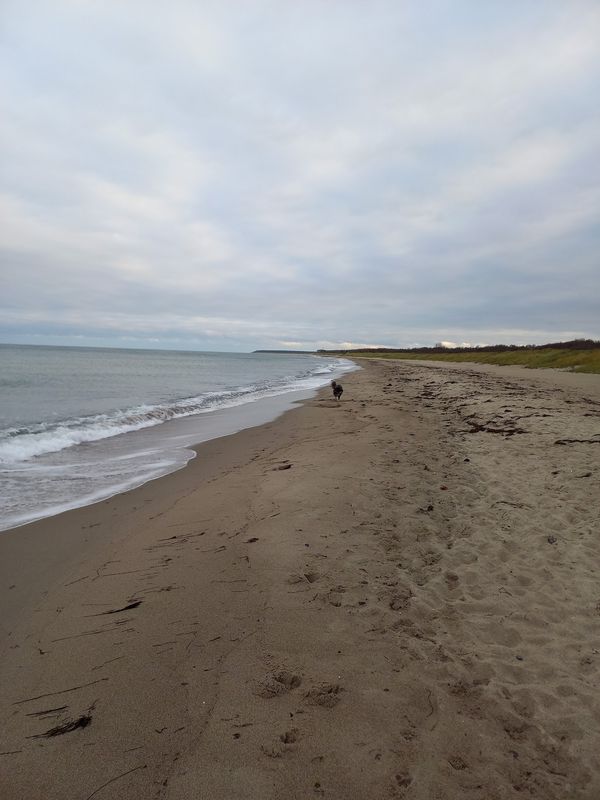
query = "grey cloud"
x=235 y=175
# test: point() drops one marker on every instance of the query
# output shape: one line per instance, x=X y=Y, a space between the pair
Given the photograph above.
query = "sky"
x=240 y=175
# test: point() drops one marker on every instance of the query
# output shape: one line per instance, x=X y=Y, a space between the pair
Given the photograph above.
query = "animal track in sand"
x=400 y=599
x=304 y=577
x=290 y=737
x=311 y=577
x=333 y=596
x=401 y=783
x=452 y=579
x=403 y=779
x=277 y=683
x=283 y=745
x=456 y=762
x=325 y=694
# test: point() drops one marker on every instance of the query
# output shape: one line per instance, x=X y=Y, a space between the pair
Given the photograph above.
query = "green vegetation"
x=587 y=360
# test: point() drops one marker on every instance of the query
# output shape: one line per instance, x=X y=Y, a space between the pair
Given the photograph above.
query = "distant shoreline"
x=576 y=356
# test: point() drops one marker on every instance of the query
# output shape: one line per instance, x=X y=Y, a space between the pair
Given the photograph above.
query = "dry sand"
x=396 y=596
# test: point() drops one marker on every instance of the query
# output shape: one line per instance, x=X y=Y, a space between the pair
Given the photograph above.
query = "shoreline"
x=179 y=437
x=66 y=526
x=386 y=597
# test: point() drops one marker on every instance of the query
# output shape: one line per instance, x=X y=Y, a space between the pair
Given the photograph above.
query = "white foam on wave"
x=18 y=445
x=76 y=476
x=149 y=473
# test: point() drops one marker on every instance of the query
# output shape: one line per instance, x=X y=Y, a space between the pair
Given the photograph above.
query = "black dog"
x=337 y=389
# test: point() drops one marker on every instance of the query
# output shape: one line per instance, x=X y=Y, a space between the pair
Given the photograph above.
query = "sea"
x=80 y=424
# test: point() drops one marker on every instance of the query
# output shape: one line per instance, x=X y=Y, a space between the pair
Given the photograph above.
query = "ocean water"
x=80 y=424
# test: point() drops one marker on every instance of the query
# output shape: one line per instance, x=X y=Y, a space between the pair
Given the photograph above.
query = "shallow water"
x=80 y=424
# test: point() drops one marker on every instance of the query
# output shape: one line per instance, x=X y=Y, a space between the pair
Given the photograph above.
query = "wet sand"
x=396 y=596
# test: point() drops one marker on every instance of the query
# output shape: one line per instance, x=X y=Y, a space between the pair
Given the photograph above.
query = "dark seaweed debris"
x=71 y=725
x=128 y=607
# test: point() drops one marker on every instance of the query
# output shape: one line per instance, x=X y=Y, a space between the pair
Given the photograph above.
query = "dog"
x=337 y=389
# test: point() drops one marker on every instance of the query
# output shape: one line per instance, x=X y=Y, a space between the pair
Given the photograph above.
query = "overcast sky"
x=230 y=175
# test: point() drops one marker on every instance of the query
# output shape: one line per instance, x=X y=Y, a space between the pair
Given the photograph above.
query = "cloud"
x=453 y=345
x=241 y=175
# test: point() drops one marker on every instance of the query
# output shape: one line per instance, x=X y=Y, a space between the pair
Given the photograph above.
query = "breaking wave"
x=22 y=444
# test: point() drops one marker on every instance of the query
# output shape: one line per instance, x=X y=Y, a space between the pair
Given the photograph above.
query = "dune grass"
x=551 y=358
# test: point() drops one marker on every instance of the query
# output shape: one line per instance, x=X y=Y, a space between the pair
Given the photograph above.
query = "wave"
x=22 y=444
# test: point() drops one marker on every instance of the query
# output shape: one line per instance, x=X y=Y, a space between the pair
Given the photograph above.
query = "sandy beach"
x=395 y=596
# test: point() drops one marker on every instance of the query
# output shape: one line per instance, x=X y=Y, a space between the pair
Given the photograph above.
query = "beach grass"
x=534 y=358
